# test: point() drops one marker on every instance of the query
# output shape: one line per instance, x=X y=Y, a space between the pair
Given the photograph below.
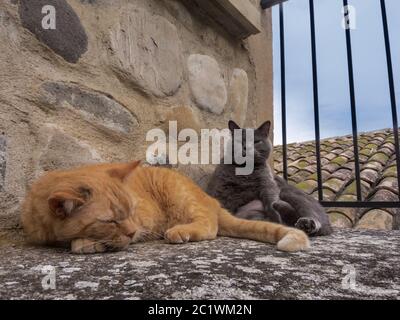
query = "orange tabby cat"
x=108 y=206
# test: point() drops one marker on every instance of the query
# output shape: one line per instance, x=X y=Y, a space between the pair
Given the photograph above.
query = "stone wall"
x=91 y=89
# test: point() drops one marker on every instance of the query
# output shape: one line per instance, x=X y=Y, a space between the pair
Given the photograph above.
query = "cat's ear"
x=123 y=170
x=264 y=128
x=232 y=125
x=63 y=203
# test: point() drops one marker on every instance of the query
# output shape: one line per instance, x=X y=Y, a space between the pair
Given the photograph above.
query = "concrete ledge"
x=265 y=4
x=221 y=269
x=239 y=17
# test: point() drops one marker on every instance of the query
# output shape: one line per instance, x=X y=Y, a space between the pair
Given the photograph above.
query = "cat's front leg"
x=288 y=214
x=203 y=226
x=196 y=231
x=297 y=218
x=87 y=246
x=268 y=197
x=309 y=215
x=272 y=215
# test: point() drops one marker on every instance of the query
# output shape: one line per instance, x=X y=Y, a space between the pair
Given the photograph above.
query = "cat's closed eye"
x=258 y=142
x=113 y=221
x=85 y=192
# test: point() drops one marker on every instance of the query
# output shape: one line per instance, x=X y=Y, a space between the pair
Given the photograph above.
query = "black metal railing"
x=360 y=202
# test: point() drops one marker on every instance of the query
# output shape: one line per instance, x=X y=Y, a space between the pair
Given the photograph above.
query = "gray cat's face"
x=261 y=147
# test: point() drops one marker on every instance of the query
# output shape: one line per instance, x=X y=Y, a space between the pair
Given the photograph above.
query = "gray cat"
x=262 y=195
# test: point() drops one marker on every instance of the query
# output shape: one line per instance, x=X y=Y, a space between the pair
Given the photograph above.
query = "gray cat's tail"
x=287 y=239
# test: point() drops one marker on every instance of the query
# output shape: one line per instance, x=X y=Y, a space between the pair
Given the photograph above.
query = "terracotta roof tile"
x=307 y=186
x=343 y=174
x=376 y=219
x=340 y=220
x=349 y=213
x=378 y=174
x=334 y=184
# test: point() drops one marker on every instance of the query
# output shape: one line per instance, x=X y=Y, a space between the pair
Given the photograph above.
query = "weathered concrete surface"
x=221 y=269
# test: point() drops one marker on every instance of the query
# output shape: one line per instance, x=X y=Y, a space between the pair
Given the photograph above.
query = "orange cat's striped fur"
x=108 y=206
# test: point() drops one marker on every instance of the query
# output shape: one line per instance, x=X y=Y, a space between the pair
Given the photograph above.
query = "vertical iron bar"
x=392 y=91
x=316 y=100
x=283 y=90
x=353 y=106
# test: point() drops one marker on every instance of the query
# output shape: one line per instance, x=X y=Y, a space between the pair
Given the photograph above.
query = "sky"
x=370 y=68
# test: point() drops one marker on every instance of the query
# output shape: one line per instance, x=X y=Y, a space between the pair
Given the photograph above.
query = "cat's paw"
x=308 y=225
x=282 y=206
x=177 y=234
x=86 y=246
x=294 y=240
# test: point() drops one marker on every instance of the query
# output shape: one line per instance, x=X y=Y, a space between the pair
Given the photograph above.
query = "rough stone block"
x=146 y=52
x=68 y=39
x=95 y=107
x=62 y=151
x=207 y=83
x=201 y=174
x=185 y=118
x=376 y=219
